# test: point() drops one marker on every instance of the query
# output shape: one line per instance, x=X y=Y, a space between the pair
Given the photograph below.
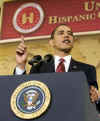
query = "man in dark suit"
x=62 y=41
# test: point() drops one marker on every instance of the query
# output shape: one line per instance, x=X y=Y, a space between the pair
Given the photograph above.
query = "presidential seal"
x=30 y=99
x=28 y=18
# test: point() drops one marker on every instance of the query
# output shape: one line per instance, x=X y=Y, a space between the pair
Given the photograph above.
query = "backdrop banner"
x=38 y=18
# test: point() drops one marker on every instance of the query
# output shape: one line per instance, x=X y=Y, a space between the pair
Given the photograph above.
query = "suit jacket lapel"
x=73 y=66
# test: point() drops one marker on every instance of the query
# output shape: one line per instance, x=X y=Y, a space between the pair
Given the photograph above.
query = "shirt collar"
x=66 y=62
x=66 y=58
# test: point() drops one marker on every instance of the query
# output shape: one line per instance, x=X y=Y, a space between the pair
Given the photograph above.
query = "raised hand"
x=21 y=54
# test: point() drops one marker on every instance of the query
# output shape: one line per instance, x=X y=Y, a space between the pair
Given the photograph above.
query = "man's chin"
x=67 y=50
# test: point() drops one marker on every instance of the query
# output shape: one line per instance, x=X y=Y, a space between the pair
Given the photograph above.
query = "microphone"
x=48 y=58
x=35 y=60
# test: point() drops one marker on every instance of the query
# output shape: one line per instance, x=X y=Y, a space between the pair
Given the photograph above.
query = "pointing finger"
x=22 y=39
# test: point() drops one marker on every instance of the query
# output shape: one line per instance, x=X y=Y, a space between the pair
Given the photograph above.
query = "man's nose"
x=66 y=35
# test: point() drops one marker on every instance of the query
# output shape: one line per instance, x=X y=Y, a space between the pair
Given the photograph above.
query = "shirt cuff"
x=19 y=71
x=98 y=101
x=99 y=98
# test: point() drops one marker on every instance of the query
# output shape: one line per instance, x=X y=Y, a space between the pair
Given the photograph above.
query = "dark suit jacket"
x=48 y=67
x=89 y=70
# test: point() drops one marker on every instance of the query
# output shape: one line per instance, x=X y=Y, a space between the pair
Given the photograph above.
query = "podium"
x=69 y=97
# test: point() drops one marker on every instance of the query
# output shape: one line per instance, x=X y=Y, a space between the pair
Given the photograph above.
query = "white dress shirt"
x=66 y=62
x=19 y=71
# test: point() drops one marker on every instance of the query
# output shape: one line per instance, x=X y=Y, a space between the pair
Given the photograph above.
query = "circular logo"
x=28 y=18
x=30 y=99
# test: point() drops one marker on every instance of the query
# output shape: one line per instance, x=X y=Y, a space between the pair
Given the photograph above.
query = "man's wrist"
x=99 y=98
x=21 y=66
x=98 y=101
x=19 y=71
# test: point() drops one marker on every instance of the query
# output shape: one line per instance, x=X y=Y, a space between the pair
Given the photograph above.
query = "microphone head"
x=35 y=60
x=48 y=58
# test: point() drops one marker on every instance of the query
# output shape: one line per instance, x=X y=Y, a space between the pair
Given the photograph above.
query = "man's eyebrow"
x=60 y=31
x=67 y=31
x=70 y=31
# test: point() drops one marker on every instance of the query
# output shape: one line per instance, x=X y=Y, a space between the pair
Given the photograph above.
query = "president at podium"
x=62 y=41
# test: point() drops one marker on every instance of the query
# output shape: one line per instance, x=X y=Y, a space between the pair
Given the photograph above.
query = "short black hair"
x=53 y=32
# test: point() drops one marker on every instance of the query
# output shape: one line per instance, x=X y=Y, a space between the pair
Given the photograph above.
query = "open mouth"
x=67 y=41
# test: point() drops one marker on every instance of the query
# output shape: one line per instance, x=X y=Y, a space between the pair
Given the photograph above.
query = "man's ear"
x=51 y=42
x=75 y=38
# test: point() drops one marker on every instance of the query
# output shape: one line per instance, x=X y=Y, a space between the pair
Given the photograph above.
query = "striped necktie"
x=61 y=66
